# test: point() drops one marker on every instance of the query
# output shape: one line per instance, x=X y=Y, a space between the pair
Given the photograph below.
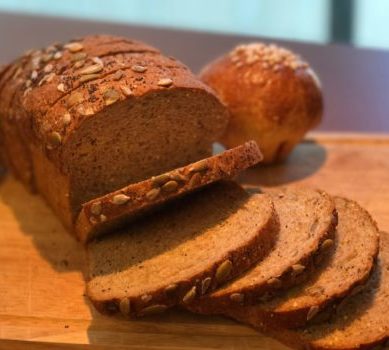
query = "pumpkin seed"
x=120 y=199
x=152 y=194
x=237 y=297
x=153 y=309
x=96 y=208
x=313 y=311
x=125 y=306
x=189 y=296
x=170 y=186
x=205 y=284
x=111 y=96
x=223 y=271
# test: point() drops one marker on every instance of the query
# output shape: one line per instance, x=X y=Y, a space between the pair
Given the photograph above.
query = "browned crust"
x=271 y=101
x=253 y=293
x=242 y=259
x=221 y=166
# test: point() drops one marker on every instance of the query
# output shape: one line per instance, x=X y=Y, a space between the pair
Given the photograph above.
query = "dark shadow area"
x=36 y=220
x=306 y=159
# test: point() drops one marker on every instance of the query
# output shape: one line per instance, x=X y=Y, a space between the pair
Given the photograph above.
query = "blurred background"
x=362 y=23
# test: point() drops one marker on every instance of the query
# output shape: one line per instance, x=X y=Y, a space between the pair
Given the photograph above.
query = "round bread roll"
x=273 y=97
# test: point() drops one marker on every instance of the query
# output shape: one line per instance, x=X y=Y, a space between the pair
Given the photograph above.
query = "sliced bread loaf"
x=186 y=250
x=307 y=223
x=360 y=322
x=106 y=213
x=356 y=248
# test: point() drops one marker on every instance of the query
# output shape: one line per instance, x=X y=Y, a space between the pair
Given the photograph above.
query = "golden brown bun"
x=273 y=96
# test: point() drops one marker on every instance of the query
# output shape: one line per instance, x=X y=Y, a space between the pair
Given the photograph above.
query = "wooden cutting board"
x=42 y=302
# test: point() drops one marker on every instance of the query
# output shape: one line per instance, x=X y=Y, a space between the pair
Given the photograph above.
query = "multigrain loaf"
x=307 y=223
x=360 y=322
x=89 y=117
x=182 y=252
x=111 y=211
x=274 y=97
x=342 y=273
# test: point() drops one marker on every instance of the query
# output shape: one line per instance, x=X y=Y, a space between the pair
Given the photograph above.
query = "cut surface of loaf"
x=184 y=251
x=107 y=213
x=307 y=223
x=361 y=321
x=102 y=105
x=344 y=271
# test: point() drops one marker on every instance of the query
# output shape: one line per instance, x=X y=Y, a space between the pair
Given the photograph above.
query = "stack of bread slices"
x=117 y=138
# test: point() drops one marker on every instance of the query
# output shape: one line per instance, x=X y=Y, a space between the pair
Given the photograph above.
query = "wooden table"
x=42 y=302
x=355 y=81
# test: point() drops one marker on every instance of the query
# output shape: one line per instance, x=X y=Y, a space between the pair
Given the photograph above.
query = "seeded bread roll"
x=361 y=321
x=89 y=117
x=342 y=273
x=182 y=252
x=307 y=220
x=104 y=214
x=273 y=96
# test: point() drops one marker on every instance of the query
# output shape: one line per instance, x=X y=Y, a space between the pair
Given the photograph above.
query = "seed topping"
x=138 y=69
x=120 y=199
x=165 y=82
x=223 y=271
x=110 y=96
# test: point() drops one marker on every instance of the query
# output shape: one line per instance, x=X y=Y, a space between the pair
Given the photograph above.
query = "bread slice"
x=106 y=213
x=307 y=223
x=184 y=251
x=356 y=248
x=361 y=321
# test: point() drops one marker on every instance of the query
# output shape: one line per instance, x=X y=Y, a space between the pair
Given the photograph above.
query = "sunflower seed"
x=48 y=68
x=223 y=271
x=171 y=288
x=66 y=119
x=199 y=166
x=111 y=96
x=118 y=75
x=179 y=177
x=95 y=68
x=79 y=64
x=152 y=194
x=146 y=298
x=165 y=82
x=34 y=75
x=54 y=139
x=195 y=180
x=153 y=309
x=98 y=61
x=313 y=311
x=78 y=56
x=126 y=90
x=96 y=208
x=28 y=83
x=237 y=297
x=328 y=243
x=57 y=55
x=160 y=179
x=47 y=57
x=74 y=47
x=138 y=69
x=298 y=268
x=189 y=296
x=74 y=99
x=61 y=87
x=205 y=284
x=85 y=110
x=120 y=199
x=125 y=306
x=275 y=282
x=89 y=77
x=170 y=186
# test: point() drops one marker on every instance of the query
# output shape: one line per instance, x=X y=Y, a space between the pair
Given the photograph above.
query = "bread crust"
x=273 y=97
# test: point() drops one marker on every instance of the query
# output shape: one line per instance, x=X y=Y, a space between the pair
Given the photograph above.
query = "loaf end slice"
x=361 y=321
x=104 y=214
x=342 y=273
x=182 y=252
x=307 y=220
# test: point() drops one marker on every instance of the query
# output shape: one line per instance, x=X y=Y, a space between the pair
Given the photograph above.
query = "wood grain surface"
x=42 y=302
